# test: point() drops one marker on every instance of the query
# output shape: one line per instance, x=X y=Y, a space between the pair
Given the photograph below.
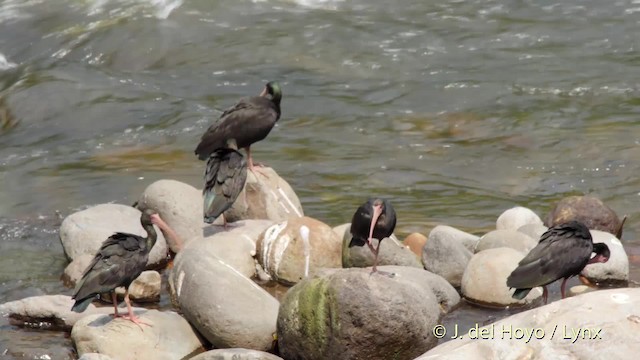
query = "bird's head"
x=149 y=216
x=602 y=253
x=272 y=89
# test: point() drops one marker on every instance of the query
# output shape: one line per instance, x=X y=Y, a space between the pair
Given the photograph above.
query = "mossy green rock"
x=353 y=314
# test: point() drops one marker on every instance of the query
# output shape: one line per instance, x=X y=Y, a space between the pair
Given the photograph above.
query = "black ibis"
x=562 y=252
x=224 y=178
x=119 y=261
x=248 y=121
x=375 y=219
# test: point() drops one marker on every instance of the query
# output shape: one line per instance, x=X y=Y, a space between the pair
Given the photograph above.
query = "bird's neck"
x=152 y=236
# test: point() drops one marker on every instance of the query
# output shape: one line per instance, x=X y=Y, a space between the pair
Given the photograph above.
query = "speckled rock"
x=331 y=317
x=516 y=217
x=145 y=288
x=534 y=231
x=284 y=253
x=616 y=269
x=169 y=336
x=266 y=197
x=179 y=205
x=415 y=242
x=587 y=209
x=392 y=252
x=235 y=354
x=226 y=307
x=485 y=279
x=609 y=319
x=445 y=254
x=84 y=232
x=506 y=238
x=49 y=311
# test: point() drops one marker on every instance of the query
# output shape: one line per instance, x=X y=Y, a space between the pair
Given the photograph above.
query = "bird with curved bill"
x=374 y=219
x=248 y=121
x=562 y=252
x=119 y=261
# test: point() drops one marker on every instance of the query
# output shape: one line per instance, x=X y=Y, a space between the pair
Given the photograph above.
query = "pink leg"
x=132 y=317
x=545 y=294
x=375 y=263
x=114 y=299
x=564 y=281
x=253 y=167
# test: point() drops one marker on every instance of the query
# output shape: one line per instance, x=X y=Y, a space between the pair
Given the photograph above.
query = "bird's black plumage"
x=248 y=121
x=224 y=177
x=361 y=222
x=562 y=252
x=119 y=261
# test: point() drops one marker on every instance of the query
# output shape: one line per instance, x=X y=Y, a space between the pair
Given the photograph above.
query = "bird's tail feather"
x=520 y=293
x=81 y=305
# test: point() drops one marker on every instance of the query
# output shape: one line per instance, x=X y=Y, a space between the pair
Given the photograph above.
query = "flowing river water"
x=455 y=110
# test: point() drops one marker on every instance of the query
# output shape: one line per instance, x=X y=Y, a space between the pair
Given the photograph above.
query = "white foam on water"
x=164 y=8
x=5 y=64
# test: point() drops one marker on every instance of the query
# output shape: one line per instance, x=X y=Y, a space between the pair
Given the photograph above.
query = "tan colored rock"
x=145 y=288
x=286 y=255
x=415 y=242
x=265 y=197
x=587 y=209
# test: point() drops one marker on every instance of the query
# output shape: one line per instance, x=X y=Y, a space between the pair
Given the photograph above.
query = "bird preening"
x=375 y=219
x=563 y=252
x=240 y=126
x=119 y=261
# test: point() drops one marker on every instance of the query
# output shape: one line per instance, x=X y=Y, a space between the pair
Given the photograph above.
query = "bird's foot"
x=383 y=273
x=136 y=320
x=258 y=169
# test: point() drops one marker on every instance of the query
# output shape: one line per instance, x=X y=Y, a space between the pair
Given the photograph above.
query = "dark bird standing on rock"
x=120 y=260
x=224 y=179
x=563 y=251
x=374 y=219
x=248 y=121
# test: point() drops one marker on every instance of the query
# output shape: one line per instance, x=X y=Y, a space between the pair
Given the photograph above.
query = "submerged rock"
x=517 y=217
x=49 y=311
x=169 y=336
x=608 y=321
x=84 y=232
x=265 y=197
x=445 y=253
x=587 y=209
x=353 y=314
x=506 y=238
x=180 y=205
x=615 y=270
x=485 y=279
x=286 y=255
x=226 y=307
x=235 y=354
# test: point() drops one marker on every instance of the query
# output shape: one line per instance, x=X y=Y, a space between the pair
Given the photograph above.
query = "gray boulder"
x=607 y=320
x=265 y=197
x=169 y=336
x=179 y=205
x=485 y=279
x=392 y=252
x=516 y=217
x=445 y=253
x=616 y=269
x=534 y=231
x=506 y=238
x=73 y=272
x=225 y=306
x=589 y=210
x=353 y=314
x=235 y=354
x=84 y=232
x=94 y=356
x=286 y=255
x=145 y=288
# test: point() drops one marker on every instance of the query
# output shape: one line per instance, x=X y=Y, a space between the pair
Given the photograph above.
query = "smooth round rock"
x=226 y=307
x=235 y=354
x=265 y=197
x=343 y=230
x=286 y=255
x=485 y=279
x=145 y=288
x=506 y=238
x=444 y=254
x=179 y=205
x=516 y=217
x=449 y=233
x=608 y=319
x=415 y=242
x=353 y=314
x=73 y=272
x=169 y=336
x=94 y=356
x=84 y=232
x=587 y=209
x=392 y=252
x=579 y=290
x=534 y=231
x=615 y=270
